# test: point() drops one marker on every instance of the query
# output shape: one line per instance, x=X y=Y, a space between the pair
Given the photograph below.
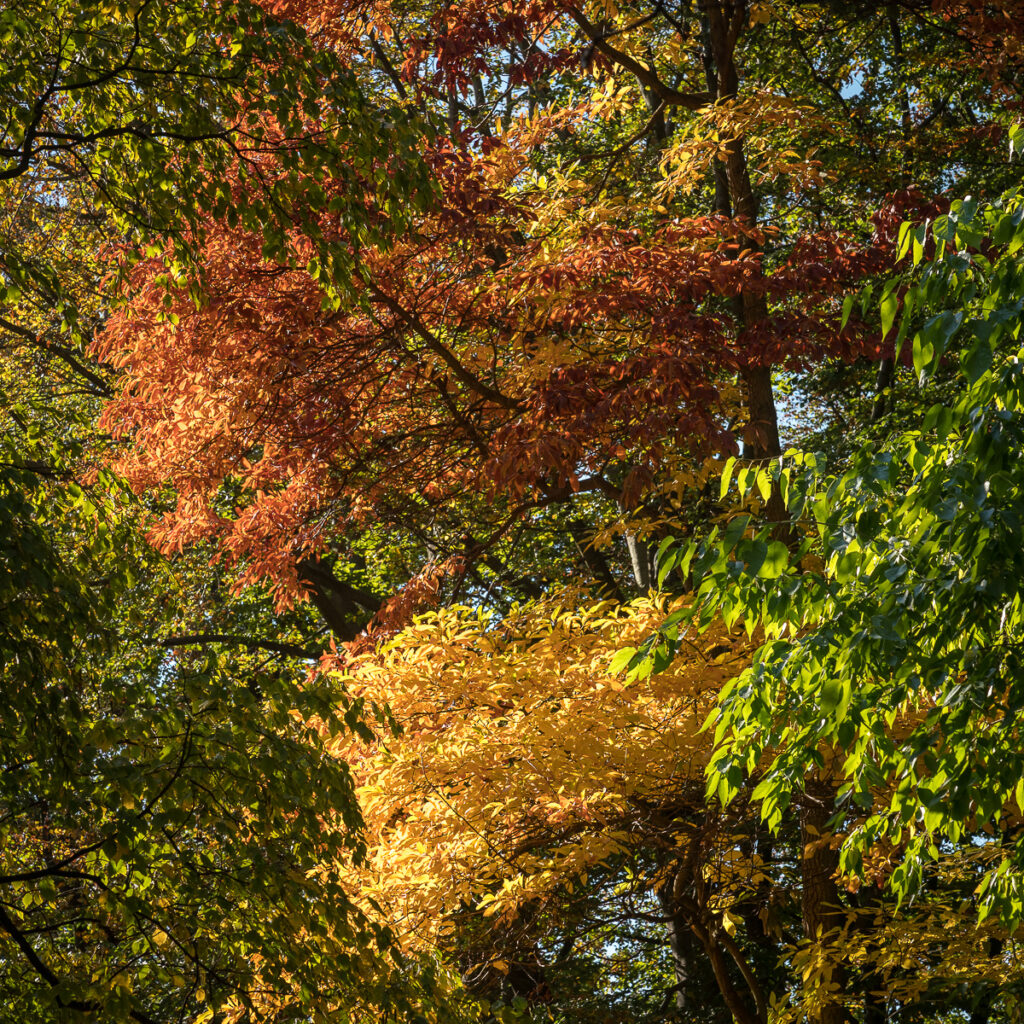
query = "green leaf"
x=888 y=307
x=924 y=354
x=621 y=660
x=848 y=304
x=727 y=470
x=977 y=360
x=776 y=560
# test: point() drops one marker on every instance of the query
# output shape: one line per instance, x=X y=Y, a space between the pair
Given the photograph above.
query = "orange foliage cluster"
x=480 y=358
x=532 y=337
x=452 y=43
x=996 y=33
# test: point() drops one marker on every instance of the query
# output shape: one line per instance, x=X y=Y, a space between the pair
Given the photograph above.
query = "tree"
x=536 y=337
x=538 y=818
x=891 y=665
x=160 y=114
x=529 y=799
x=932 y=520
x=160 y=814
x=595 y=302
x=166 y=815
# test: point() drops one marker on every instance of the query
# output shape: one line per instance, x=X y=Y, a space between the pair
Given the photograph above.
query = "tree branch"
x=461 y=374
x=644 y=75
x=187 y=639
x=62 y=352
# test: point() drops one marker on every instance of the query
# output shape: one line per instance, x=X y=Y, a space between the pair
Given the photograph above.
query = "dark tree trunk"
x=723 y=204
x=344 y=608
x=595 y=562
x=724 y=22
x=820 y=902
x=696 y=989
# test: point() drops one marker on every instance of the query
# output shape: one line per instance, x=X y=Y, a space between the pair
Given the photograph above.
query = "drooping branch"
x=200 y=639
x=51 y=979
x=99 y=385
x=461 y=374
x=643 y=74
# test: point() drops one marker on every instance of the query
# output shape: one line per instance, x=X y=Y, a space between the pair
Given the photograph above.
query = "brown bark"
x=723 y=203
x=344 y=608
x=723 y=23
x=595 y=561
x=718 y=945
x=685 y=900
x=762 y=435
x=887 y=366
x=820 y=903
x=697 y=987
x=643 y=74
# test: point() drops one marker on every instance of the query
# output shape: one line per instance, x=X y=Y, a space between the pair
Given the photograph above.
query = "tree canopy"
x=509 y=511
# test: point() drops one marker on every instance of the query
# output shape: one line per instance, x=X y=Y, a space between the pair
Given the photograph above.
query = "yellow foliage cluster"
x=772 y=129
x=521 y=761
x=517 y=765
x=936 y=938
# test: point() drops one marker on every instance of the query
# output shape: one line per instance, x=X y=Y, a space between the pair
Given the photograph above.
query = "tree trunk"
x=723 y=204
x=820 y=903
x=595 y=562
x=886 y=373
x=981 y=1012
x=684 y=902
x=696 y=989
x=344 y=608
x=761 y=437
x=640 y=559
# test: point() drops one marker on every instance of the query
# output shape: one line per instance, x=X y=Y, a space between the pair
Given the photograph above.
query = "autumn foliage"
x=526 y=344
x=443 y=372
x=513 y=804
